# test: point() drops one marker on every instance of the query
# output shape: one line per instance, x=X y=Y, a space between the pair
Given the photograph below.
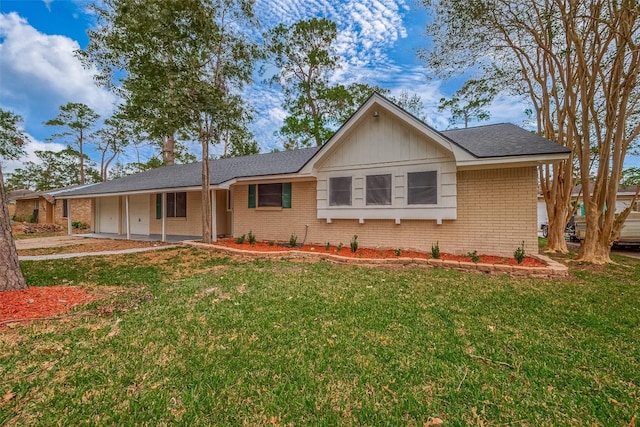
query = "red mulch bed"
x=40 y=302
x=345 y=251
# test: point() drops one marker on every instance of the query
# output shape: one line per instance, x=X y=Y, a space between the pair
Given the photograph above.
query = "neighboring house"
x=44 y=207
x=623 y=200
x=11 y=199
x=384 y=176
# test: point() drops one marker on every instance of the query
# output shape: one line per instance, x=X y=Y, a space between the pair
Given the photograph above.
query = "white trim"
x=164 y=217
x=128 y=223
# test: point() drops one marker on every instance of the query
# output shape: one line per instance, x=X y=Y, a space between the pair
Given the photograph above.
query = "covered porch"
x=166 y=216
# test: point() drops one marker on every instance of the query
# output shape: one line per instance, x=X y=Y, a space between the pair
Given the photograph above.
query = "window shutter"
x=158 y=206
x=252 y=195
x=286 y=194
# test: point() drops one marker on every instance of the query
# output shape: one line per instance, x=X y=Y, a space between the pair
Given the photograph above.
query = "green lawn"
x=186 y=337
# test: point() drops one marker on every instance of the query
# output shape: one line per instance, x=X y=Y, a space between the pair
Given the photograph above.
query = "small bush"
x=32 y=219
x=354 y=243
x=271 y=243
x=398 y=252
x=327 y=246
x=474 y=256
x=240 y=240
x=435 y=250
x=251 y=238
x=79 y=225
x=339 y=247
x=293 y=240
x=519 y=254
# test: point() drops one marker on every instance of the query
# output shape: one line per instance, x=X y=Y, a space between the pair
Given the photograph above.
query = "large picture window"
x=379 y=189
x=276 y=195
x=340 y=191
x=422 y=188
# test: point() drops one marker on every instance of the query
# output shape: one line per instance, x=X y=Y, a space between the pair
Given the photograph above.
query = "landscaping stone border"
x=552 y=270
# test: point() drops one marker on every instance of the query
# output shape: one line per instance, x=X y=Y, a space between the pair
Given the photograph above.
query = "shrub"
x=398 y=252
x=435 y=250
x=354 y=243
x=293 y=240
x=474 y=256
x=251 y=238
x=339 y=247
x=240 y=240
x=519 y=254
x=271 y=243
x=327 y=246
x=32 y=219
x=79 y=225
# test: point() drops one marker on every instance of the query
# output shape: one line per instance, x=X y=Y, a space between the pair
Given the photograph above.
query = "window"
x=340 y=191
x=176 y=205
x=379 y=189
x=422 y=188
x=270 y=195
x=65 y=208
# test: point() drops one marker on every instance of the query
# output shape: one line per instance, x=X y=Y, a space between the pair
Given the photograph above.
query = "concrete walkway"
x=85 y=254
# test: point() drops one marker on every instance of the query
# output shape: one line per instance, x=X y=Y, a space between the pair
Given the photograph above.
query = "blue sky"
x=378 y=41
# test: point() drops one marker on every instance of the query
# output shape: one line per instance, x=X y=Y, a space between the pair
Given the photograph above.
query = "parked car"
x=569 y=230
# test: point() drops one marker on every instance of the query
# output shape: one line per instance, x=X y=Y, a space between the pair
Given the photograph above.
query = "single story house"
x=384 y=176
x=44 y=207
x=11 y=199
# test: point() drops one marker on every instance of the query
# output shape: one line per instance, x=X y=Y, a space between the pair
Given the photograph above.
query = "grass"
x=185 y=337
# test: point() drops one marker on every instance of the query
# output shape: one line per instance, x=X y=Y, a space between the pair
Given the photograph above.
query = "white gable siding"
x=386 y=145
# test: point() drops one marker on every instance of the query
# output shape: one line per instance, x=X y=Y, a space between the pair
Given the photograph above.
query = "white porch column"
x=164 y=217
x=127 y=221
x=214 y=229
x=69 y=229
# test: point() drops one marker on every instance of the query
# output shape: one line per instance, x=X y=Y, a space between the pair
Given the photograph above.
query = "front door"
x=139 y=214
x=108 y=214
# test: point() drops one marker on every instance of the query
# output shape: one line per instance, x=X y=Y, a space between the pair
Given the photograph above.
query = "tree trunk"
x=595 y=247
x=80 y=141
x=206 y=193
x=168 y=150
x=11 y=277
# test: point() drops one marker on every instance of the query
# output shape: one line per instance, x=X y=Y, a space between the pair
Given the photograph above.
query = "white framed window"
x=422 y=188
x=340 y=191
x=378 y=189
x=176 y=205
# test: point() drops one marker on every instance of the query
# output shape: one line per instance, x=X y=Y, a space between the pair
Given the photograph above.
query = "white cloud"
x=8 y=166
x=42 y=70
x=47 y=3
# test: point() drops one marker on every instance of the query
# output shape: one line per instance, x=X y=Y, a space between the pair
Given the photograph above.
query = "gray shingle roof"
x=502 y=140
x=189 y=175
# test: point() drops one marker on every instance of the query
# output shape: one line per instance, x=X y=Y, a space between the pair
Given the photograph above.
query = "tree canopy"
x=304 y=56
x=577 y=63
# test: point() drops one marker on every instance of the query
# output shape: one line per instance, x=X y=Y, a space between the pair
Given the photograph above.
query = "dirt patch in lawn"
x=368 y=253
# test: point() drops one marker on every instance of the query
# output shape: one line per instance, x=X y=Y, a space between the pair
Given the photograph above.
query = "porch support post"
x=214 y=230
x=127 y=222
x=164 y=217
x=69 y=229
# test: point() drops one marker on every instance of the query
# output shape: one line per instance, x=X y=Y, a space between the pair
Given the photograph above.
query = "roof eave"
x=511 y=161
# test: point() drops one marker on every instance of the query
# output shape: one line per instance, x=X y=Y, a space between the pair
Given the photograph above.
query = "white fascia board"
x=130 y=193
x=289 y=177
x=510 y=162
